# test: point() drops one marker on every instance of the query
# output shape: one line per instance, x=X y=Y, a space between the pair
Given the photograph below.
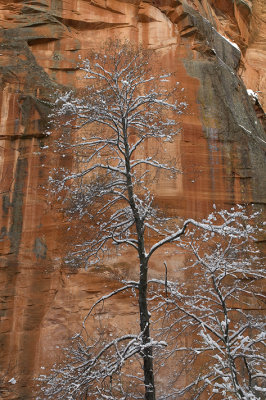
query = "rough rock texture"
x=221 y=149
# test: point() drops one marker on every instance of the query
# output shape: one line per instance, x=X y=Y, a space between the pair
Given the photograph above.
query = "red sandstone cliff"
x=222 y=146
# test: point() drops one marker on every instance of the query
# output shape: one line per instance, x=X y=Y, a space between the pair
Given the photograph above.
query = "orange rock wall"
x=220 y=149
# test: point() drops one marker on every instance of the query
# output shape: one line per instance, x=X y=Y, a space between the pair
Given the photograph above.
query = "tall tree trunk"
x=143 y=279
x=145 y=328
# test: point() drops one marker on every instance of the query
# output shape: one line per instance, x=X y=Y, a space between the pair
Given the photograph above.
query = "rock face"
x=216 y=47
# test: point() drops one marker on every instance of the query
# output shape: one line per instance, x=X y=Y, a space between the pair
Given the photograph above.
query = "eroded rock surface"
x=216 y=47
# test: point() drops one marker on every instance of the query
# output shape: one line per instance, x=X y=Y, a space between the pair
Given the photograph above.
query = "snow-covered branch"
x=216 y=300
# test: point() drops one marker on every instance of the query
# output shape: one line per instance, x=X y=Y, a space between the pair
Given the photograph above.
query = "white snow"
x=246 y=130
x=232 y=43
x=252 y=94
x=229 y=41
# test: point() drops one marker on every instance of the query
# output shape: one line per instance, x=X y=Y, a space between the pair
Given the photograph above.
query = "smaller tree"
x=214 y=316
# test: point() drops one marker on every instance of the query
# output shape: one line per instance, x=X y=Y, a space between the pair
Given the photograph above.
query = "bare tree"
x=114 y=135
x=215 y=313
x=123 y=110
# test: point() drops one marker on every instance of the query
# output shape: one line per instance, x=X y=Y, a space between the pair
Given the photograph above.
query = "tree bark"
x=146 y=352
x=145 y=328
